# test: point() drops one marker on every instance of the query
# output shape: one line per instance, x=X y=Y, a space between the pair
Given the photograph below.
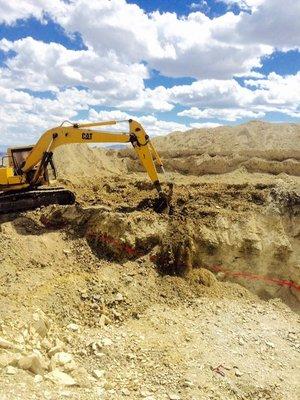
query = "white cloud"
x=277 y=92
x=48 y=66
x=159 y=127
x=105 y=115
x=198 y=48
x=209 y=99
x=227 y=100
x=274 y=23
x=251 y=74
x=124 y=43
x=203 y=125
x=149 y=99
x=168 y=42
x=226 y=114
x=10 y=11
x=245 y=5
x=24 y=117
x=212 y=93
x=176 y=46
x=152 y=125
x=114 y=26
x=43 y=66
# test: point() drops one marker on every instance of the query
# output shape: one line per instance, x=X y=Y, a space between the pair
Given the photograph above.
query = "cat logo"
x=87 y=136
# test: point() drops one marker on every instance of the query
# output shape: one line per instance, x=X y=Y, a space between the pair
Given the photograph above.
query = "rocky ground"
x=107 y=299
x=87 y=316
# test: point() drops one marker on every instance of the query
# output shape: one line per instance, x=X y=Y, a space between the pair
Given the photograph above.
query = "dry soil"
x=107 y=299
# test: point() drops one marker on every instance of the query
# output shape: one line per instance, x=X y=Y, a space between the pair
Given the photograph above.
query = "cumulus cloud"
x=114 y=26
x=48 y=66
x=24 y=117
x=176 y=46
x=149 y=99
x=153 y=126
x=229 y=101
x=123 y=43
x=212 y=93
x=226 y=114
x=11 y=11
x=274 y=23
x=279 y=93
x=245 y=5
x=202 y=125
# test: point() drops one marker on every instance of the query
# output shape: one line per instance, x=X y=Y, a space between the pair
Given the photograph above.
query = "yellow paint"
x=62 y=135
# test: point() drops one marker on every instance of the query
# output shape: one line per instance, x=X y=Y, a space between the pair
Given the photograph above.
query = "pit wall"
x=257 y=250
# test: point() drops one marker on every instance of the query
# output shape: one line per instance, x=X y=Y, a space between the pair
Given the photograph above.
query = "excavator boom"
x=22 y=180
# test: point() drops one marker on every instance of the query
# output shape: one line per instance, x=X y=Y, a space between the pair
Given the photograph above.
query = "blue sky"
x=183 y=7
x=173 y=64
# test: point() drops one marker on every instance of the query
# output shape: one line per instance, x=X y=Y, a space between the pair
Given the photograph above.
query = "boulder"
x=5 y=344
x=32 y=363
x=60 y=378
x=9 y=359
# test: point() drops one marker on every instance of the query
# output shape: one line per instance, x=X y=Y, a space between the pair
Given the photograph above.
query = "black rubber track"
x=31 y=199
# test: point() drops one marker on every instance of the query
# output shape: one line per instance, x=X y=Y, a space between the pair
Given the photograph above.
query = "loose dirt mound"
x=80 y=161
x=255 y=139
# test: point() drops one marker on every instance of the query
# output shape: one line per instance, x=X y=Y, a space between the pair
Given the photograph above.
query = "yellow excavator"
x=24 y=170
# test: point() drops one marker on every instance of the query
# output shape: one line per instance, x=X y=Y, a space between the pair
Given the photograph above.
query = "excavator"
x=24 y=173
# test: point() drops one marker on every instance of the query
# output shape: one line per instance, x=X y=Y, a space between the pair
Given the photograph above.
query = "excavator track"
x=31 y=199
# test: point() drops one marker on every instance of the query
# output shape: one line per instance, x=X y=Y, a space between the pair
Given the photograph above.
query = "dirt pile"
x=256 y=138
x=255 y=146
x=80 y=161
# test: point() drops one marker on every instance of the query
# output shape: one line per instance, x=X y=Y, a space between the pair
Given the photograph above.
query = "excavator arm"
x=80 y=133
x=31 y=174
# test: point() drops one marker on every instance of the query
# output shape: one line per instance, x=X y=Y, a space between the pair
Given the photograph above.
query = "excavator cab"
x=12 y=164
x=17 y=157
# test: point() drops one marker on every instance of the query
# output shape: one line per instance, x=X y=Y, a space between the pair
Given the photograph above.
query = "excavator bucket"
x=163 y=203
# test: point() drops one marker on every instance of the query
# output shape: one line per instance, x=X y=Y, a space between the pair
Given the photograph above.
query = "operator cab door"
x=17 y=157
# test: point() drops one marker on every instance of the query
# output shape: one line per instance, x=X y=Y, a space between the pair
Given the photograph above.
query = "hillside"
x=274 y=141
x=255 y=146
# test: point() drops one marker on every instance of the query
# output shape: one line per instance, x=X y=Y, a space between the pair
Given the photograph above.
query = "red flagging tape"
x=131 y=251
x=250 y=276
